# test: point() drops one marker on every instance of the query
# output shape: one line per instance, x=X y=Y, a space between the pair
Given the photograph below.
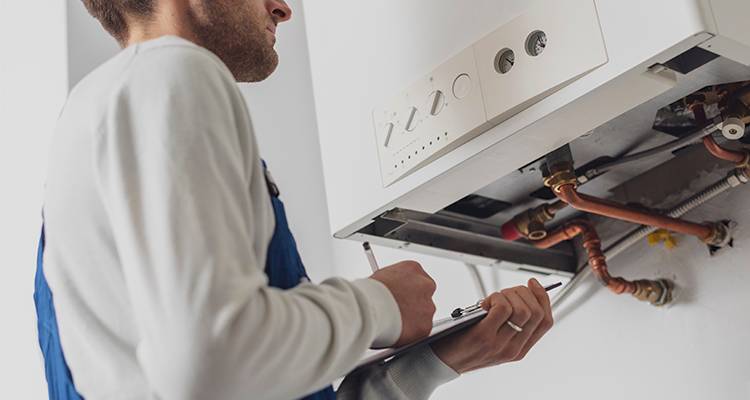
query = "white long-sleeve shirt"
x=158 y=220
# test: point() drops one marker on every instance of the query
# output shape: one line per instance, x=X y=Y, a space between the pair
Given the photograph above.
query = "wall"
x=33 y=83
x=88 y=43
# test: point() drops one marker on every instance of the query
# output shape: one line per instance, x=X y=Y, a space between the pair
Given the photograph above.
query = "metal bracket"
x=469 y=237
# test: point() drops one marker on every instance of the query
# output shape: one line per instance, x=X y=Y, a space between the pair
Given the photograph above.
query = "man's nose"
x=280 y=11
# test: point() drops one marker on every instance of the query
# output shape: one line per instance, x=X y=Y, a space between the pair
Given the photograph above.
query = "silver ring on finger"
x=514 y=326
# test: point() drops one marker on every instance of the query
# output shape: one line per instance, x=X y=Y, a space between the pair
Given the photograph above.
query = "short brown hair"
x=111 y=14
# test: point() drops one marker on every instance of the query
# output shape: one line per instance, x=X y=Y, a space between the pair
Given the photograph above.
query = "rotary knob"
x=462 y=86
x=388 y=133
x=436 y=102
x=412 y=119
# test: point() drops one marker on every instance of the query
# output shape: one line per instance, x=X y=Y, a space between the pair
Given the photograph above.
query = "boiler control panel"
x=502 y=74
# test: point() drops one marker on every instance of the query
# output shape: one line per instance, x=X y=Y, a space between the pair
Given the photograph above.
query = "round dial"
x=504 y=61
x=536 y=43
x=462 y=86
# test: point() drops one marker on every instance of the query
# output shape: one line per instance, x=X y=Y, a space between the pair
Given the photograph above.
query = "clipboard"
x=383 y=357
x=457 y=322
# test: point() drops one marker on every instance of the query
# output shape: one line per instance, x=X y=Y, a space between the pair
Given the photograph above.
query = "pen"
x=459 y=312
x=370 y=257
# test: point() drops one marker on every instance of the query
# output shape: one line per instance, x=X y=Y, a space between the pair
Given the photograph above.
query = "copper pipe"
x=568 y=194
x=557 y=206
x=593 y=246
x=657 y=292
x=738 y=157
x=566 y=232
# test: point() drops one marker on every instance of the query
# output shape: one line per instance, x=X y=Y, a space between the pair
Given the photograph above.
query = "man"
x=173 y=272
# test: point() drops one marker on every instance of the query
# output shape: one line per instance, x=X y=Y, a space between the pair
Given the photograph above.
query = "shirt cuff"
x=385 y=311
x=420 y=372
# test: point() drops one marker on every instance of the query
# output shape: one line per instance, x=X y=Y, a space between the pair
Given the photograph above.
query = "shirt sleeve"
x=412 y=377
x=174 y=176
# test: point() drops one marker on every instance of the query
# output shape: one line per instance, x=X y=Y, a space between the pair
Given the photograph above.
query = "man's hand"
x=492 y=341
x=412 y=289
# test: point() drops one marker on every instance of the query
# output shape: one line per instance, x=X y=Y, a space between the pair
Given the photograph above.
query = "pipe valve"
x=657 y=292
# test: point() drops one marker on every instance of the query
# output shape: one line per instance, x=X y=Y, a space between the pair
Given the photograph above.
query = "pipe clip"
x=733 y=128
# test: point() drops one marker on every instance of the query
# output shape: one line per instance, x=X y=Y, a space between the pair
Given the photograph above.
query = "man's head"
x=240 y=32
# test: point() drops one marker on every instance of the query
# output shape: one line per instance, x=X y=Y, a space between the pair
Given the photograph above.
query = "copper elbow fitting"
x=741 y=158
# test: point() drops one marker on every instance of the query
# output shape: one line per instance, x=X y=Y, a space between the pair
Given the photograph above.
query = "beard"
x=236 y=33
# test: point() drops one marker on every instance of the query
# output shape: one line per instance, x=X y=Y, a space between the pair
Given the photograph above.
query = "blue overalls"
x=284 y=269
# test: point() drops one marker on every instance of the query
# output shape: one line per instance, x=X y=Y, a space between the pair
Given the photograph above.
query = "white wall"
x=33 y=83
x=88 y=43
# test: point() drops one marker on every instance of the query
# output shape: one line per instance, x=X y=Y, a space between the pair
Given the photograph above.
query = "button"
x=411 y=119
x=462 y=86
x=388 y=133
x=436 y=102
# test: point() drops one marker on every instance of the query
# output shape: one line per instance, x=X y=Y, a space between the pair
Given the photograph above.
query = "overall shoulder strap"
x=59 y=379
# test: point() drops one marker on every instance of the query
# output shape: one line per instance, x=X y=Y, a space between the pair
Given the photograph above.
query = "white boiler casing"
x=378 y=68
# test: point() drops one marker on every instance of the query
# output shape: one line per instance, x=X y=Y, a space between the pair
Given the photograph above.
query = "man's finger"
x=537 y=312
x=541 y=295
x=521 y=312
x=538 y=290
x=514 y=341
x=499 y=310
x=546 y=322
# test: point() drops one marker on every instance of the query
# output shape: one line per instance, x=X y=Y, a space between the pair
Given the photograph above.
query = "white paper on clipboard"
x=438 y=331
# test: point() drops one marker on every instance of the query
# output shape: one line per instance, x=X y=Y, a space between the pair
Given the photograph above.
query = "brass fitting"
x=530 y=223
x=561 y=174
x=529 y=226
x=720 y=235
x=656 y=292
